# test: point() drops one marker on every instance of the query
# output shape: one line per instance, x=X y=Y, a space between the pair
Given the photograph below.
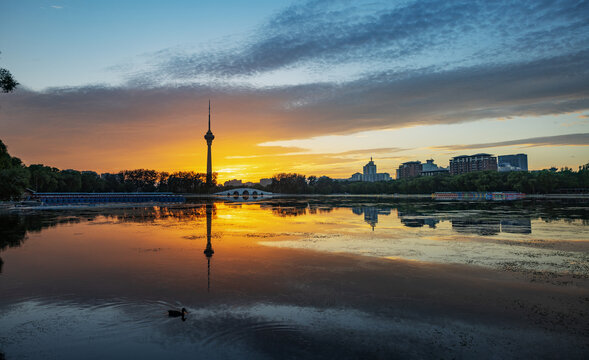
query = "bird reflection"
x=209 y=249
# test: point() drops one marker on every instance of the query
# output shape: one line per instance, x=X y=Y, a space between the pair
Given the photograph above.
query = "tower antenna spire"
x=209 y=114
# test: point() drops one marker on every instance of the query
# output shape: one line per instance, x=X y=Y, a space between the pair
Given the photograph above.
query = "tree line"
x=537 y=182
x=15 y=178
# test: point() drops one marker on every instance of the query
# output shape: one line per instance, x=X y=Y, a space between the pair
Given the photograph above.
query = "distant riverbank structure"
x=516 y=162
x=468 y=163
x=239 y=183
x=464 y=164
x=431 y=169
x=411 y=169
x=458 y=165
x=209 y=137
x=369 y=174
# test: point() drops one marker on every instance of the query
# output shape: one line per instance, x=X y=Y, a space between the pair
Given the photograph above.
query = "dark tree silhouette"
x=7 y=82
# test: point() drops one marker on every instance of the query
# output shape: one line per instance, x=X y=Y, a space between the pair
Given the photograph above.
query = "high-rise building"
x=469 y=163
x=431 y=169
x=517 y=162
x=409 y=169
x=356 y=177
x=369 y=171
x=429 y=165
x=369 y=174
x=382 y=177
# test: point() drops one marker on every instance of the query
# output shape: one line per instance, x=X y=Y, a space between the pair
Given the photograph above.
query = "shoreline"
x=19 y=206
x=399 y=196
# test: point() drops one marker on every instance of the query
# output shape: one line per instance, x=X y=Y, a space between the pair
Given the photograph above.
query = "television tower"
x=209 y=138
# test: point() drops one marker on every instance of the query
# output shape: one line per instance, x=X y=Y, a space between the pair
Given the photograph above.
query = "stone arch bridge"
x=243 y=192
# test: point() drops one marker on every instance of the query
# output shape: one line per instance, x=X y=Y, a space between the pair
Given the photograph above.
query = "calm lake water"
x=297 y=278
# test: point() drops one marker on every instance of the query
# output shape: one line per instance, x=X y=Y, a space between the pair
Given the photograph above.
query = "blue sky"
x=418 y=79
x=68 y=43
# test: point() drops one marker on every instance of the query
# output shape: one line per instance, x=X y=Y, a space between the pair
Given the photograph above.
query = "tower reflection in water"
x=209 y=249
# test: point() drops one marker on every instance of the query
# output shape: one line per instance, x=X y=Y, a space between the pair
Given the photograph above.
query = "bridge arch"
x=243 y=192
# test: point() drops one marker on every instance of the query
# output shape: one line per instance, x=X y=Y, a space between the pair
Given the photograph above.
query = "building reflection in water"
x=470 y=224
x=516 y=226
x=209 y=249
x=419 y=222
x=476 y=226
x=371 y=213
x=492 y=226
x=416 y=220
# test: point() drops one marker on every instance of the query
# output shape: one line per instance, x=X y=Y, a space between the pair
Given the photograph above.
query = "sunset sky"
x=314 y=87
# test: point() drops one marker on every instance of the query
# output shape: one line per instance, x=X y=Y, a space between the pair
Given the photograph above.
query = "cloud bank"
x=549 y=86
x=558 y=140
x=413 y=34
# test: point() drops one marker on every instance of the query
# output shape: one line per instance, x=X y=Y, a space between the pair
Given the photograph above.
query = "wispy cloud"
x=56 y=6
x=351 y=154
x=581 y=139
x=387 y=150
x=319 y=35
x=549 y=86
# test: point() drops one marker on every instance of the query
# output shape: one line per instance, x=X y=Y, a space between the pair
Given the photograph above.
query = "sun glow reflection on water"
x=315 y=277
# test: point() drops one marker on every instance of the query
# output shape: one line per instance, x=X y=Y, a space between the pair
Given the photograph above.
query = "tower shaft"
x=209 y=164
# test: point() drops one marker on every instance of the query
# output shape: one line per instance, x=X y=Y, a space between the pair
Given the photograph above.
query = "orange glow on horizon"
x=172 y=139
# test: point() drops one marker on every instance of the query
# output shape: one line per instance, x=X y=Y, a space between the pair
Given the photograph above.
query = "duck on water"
x=176 y=313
